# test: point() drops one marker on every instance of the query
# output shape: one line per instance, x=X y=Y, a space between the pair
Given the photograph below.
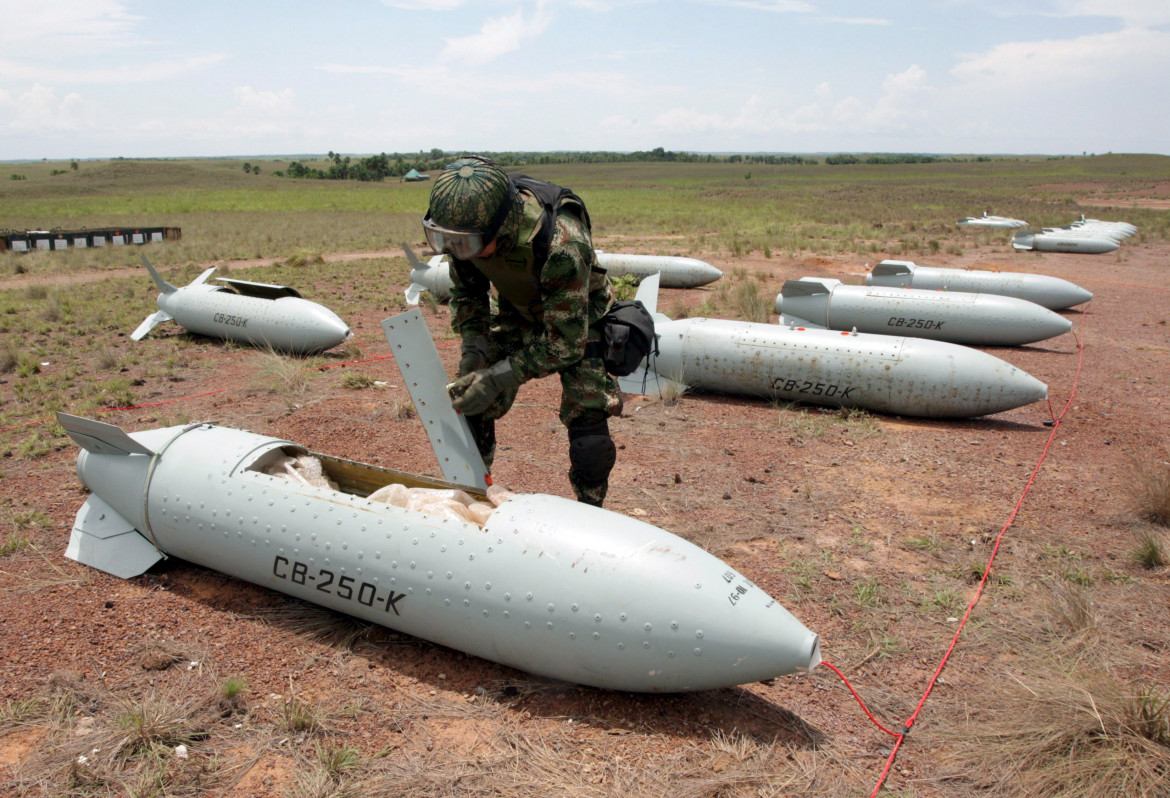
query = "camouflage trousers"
x=588 y=396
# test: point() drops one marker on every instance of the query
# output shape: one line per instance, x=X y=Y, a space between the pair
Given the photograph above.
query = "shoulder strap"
x=552 y=197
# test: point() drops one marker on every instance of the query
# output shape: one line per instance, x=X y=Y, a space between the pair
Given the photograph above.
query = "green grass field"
x=226 y=213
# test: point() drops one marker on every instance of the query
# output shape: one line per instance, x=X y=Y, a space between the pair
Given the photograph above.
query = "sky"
x=103 y=78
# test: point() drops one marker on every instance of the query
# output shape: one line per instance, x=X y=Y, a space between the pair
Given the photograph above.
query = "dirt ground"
x=869 y=530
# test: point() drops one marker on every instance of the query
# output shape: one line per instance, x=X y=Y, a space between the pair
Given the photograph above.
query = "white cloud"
x=1097 y=59
x=807 y=117
x=846 y=115
x=441 y=81
x=1087 y=93
x=901 y=103
x=40 y=109
x=77 y=27
x=423 y=5
x=360 y=69
x=264 y=102
x=604 y=5
x=132 y=73
x=781 y=6
x=691 y=120
x=1139 y=13
x=855 y=20
x=900 y=107
x=650 y=49
x=497 y=36
x=903 y=83
x=1131 y=13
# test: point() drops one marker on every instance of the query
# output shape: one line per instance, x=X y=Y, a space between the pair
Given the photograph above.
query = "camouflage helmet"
x=473 y=193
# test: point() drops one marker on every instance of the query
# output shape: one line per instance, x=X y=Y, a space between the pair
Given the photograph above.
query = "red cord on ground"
x=901 y=737
x=869 y=714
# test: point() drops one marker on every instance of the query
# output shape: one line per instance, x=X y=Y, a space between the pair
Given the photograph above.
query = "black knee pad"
x=591 y=452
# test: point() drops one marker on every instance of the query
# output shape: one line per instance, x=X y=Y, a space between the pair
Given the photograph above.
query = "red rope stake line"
x=991 y=561
x=361 y=346
x=371 y=359
x=833 y=668
x=34 y=422
x=129 y=407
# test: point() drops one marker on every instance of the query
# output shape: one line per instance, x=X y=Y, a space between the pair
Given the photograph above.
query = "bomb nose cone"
x=624 y=625
x=968 y=382
x=339 y=328
x=674 y=271
x=323 y=329
x=706 y=272
x=1077 y=295
x=1032 y=389
x=1055 y=327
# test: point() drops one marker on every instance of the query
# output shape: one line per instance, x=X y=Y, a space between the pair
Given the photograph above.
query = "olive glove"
x=474 y=393
x=474 y=355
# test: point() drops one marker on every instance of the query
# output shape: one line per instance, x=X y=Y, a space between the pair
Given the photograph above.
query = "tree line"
x=381 y=166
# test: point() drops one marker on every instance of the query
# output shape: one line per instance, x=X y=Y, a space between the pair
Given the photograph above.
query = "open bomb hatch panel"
x=356 y=479
x=259 y=290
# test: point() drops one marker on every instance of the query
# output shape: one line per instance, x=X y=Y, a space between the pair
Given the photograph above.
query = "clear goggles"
x=459 y=244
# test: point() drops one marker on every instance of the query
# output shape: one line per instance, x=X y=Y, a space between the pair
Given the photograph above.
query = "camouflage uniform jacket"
x=570 y=292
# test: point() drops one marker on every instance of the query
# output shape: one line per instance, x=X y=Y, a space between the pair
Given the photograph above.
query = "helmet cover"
x=469 y=194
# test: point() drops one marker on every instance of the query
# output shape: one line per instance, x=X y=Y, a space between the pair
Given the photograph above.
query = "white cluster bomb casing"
x=1053 y=293
x=959 y=317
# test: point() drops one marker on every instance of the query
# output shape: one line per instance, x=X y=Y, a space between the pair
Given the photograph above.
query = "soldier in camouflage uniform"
x=532 y=241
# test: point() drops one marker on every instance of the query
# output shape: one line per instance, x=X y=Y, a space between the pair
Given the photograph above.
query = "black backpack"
x=551 y=197
x=627 y=337
x=627 y=331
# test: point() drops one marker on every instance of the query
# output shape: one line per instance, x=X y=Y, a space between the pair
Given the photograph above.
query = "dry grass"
x=513 y=763
x=107 y=359
x=321 y=625
x=305 y=257
x=1077 y=733
x=316 y=782
x=1070 y=608
x=16 y=541
x=48 y=574
x=356 y=380
x=749 y=304
x=290 y=377
x=672 y=391
x=516 y=764
x=96 y=743
x=1149 y=487
x=9 y=358
x=158 y=655
x=1150 y=550
x=429 y=302
x=298 y=715
x=160 y=719
x=402 y=410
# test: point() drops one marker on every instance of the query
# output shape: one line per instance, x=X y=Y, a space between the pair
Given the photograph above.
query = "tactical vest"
x=516 y=274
